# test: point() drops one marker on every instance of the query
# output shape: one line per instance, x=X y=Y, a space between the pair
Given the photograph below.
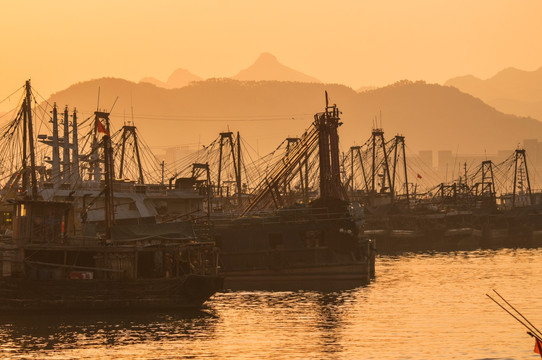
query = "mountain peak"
x=177 y=79
x=267 y=67
x=511 y=90
x=266 y=58
x=181 y=77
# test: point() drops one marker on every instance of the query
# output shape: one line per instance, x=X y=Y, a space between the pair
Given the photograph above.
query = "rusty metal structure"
x=521 y=174
x=129 y=134
x=321 y=140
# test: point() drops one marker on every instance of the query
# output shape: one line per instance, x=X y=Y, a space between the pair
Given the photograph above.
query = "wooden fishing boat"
x=47 y=263
x=43 y=267
x=278 y=242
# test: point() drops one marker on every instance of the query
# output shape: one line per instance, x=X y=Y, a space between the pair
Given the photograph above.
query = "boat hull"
x=294 y=251
x=324 y=277
x=91 y=294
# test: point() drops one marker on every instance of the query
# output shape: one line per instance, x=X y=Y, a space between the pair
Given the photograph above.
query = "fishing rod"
x=532 y=332
x=534 y=327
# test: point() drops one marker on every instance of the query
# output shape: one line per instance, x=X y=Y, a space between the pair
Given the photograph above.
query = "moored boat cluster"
x=95 y=229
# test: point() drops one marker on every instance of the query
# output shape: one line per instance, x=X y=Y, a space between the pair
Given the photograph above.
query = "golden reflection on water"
x=421 y=306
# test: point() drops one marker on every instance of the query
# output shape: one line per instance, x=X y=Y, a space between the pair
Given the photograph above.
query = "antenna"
x=132 y=107
x=110 y=111
x=98 y=104
x=455 y=161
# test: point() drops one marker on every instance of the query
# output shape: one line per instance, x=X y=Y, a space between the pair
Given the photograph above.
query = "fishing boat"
x=43 y=266
x=278 y=241
x=479 y=209
x=271 y=241
x=532 y=331
x=47 y=262
x=318 y=248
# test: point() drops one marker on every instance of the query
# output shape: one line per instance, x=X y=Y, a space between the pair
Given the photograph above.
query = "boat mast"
x=141 y=179
x=56 y=153
x=406 y=171
x=122 y=151
x=333 y=124
x=206 y=168
x=28 y=103
x=323 y=147
x=162 y=165
x=397 y=139
x=352 y=148
x=66 y=153
x=239 y=186
x=232 y=148
x=95 y=161
x=75 y=147
x=108 y=186
x=24 y=160
x=365 y=181
x=226 y=137
x=128 y=131
x=373 y=168
x=328 y=150
x=520 y=156
x=488 y=180
x=218 y=189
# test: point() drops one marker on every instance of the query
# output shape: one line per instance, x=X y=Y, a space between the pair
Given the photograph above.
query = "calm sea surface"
x=421 y=306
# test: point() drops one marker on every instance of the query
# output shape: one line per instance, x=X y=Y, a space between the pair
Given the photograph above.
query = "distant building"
x=538 y=161
x=445 y=160
x=531 y=149
x=426 y=157
x=450 y=166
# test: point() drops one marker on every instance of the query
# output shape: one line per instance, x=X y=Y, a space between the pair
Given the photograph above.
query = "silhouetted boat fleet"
x=92 y=229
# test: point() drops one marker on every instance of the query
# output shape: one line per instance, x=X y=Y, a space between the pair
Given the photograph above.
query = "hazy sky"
x=356 y=43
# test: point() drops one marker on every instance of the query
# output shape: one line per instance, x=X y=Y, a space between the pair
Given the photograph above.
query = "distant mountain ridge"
x=265 y=112
x=510 y=90
x=265 y=68
x=177 y=79
x=366 y=88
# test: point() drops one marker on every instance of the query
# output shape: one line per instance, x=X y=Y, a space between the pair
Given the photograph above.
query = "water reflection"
x=298 y=324
x=421 y=306
x=39 y=333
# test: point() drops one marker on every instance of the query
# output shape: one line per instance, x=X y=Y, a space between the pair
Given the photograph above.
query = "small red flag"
x=538 y=347
x=419 y=176
x=101 y=127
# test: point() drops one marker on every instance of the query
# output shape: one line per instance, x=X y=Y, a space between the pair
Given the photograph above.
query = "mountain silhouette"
x=267 y=67
x=177 y=79
x=511 y=90
x=366 y=88
x=430 y=116
x=154 y=81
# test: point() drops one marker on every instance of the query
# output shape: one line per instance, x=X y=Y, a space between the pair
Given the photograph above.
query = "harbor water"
x=421 y=306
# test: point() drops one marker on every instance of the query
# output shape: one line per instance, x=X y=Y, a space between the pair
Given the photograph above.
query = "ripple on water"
x=421 y=306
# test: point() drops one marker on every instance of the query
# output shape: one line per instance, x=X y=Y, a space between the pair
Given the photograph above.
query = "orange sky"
x=356 y=42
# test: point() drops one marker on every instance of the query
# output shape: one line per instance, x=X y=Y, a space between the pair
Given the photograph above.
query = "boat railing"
x=285 y=216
